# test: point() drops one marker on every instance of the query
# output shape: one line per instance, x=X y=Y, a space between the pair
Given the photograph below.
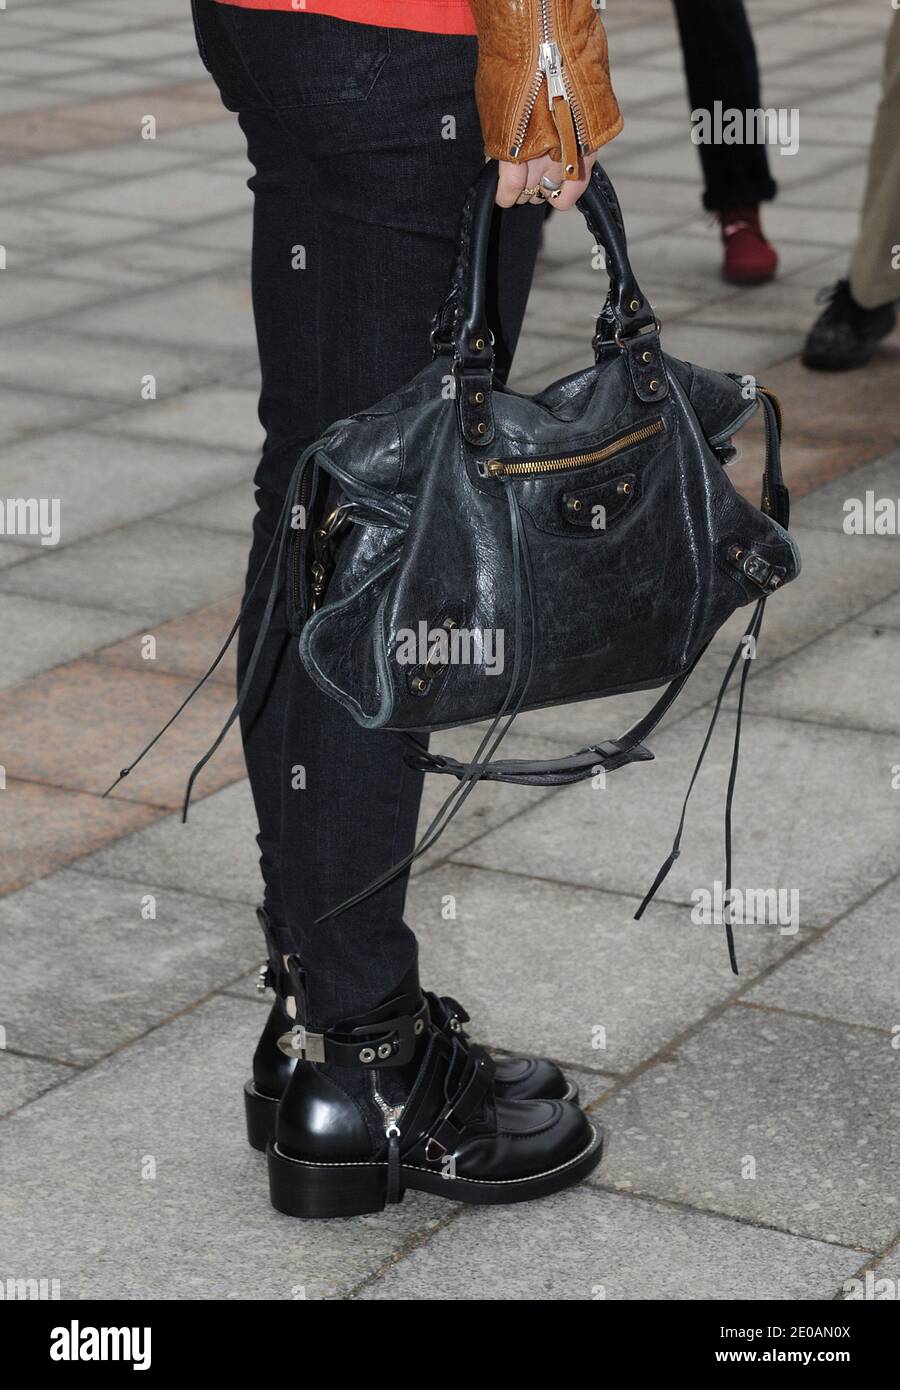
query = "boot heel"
x=338 y=1189
x=261 y=1112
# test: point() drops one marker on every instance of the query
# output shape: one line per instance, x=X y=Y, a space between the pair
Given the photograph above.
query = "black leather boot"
x=387 y=1102
x=515 y=1078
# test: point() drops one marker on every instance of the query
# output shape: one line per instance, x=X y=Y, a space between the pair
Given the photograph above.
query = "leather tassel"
x=660 y=877
x=568 y=139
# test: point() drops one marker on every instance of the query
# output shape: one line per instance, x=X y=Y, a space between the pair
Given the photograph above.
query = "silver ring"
x=548 y=183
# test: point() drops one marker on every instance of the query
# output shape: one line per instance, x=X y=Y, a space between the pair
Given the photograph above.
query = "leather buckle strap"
x=457 y=1113
x=547 y=772
x=389 y=1043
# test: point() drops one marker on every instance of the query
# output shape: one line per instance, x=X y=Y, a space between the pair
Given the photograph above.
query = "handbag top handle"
x=461 y=326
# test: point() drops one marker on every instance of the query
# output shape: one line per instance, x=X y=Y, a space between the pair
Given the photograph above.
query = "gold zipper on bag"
x=526 y=468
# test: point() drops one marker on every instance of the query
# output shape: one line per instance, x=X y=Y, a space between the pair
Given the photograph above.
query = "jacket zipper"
x=550 y=65
x=527 y=468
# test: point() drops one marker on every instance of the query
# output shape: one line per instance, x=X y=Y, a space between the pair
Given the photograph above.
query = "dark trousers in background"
x=364 y=141
x=720 y=64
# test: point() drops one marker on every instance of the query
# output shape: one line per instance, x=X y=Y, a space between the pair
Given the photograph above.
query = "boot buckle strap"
x=391 y=1043
x=301 y=1043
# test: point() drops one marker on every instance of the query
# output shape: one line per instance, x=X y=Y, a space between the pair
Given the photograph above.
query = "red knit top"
x=430 y=16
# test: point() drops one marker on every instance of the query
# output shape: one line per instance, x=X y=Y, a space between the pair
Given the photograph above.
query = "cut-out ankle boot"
x=515 y=1078
x=386 y=1102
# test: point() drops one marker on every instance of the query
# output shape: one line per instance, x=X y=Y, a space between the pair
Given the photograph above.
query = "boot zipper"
x=526 y=468
x=391 y=1113
x=550 y=65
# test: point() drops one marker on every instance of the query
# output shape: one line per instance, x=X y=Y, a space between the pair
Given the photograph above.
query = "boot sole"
x=261 y=1111
x=302 y=1189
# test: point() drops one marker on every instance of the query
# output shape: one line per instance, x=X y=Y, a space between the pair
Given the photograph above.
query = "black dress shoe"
x=846 y=335
x=426 y=1117
x=515 y=1078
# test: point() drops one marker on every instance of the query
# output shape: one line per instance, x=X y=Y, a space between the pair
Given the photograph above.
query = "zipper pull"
x=551 y=65
x=391 y=1115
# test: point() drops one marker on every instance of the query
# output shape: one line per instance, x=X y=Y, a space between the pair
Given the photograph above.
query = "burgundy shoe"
x=749 y=257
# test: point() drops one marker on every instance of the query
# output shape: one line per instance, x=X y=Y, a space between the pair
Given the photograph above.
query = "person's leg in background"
x=720 y=64
x=860 y=309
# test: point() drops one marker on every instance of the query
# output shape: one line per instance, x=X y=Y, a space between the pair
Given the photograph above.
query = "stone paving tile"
x=782 y=306
x=129 y=159
x=101 y=122
x=152 y=41
x=220 y=415
x=141 y=264
x=26 y=412
x=28 y=180
x=36 y=634
x=839 y=405
x=43 y=828
x=165 y=1199
x=232 y=233
x=23 y=1078
x=850 y=974
x=214 y=853
x=160 y=570
x=133 y=971
x=37 y=232
x=885 y=1279
x=849 y=679
x=181 y=195
x=185 y=646
x=102 y=482
x=514 y=938
x=12 y=553
x=827 y=507
x=591 y=1245
x=77 y=725
x=885 y=614
x=76 y=364
x=812 y=1104
x=792 y=831
x=729 y=349
x=232 y=510
x=41 y=62
x=206 y=312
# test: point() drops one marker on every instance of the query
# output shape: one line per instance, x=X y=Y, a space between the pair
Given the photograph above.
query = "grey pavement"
x=751 y=1121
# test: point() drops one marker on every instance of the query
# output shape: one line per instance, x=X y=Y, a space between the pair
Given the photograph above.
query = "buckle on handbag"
x=755 y=568
x=623 y=339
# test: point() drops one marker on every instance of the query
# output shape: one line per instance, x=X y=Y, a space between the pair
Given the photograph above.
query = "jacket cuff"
x=543 y=91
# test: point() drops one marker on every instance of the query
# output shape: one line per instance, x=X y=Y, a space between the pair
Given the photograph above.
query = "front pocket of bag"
x=297 y=59
x=586 y=492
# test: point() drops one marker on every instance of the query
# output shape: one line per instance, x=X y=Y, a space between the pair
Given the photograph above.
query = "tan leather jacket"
x=543 y=83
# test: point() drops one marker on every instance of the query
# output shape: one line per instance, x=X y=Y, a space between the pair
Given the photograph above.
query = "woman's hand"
x=515 y=177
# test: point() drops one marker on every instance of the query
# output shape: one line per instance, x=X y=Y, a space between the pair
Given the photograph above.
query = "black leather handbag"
x=469 y=552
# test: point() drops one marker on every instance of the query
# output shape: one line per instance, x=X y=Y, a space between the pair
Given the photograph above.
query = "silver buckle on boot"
x=300 y=1042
